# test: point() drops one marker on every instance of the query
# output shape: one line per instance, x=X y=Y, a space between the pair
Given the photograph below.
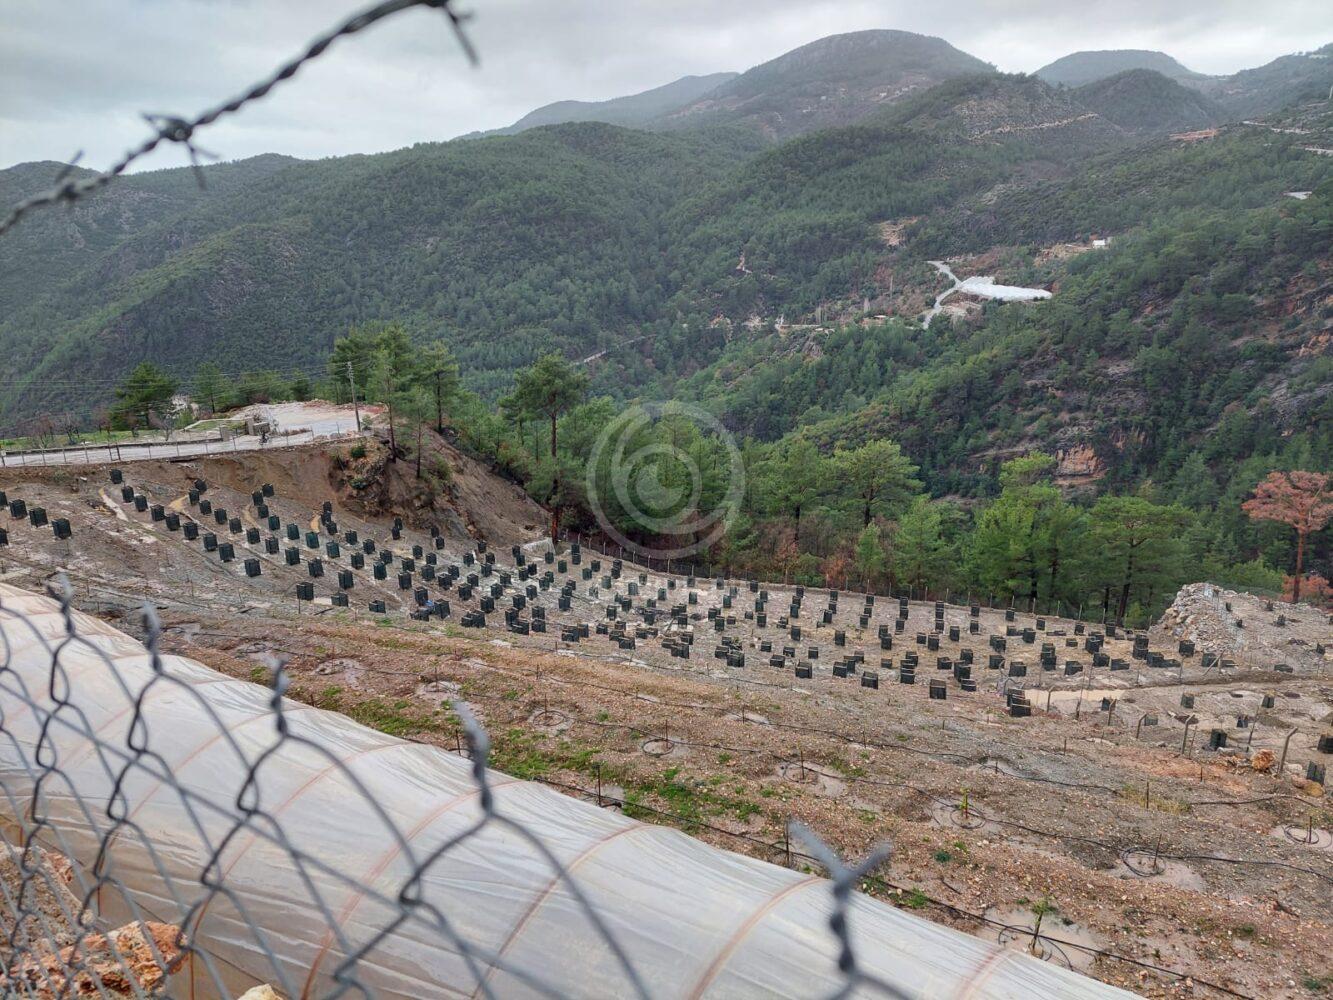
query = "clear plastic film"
x=333 y=854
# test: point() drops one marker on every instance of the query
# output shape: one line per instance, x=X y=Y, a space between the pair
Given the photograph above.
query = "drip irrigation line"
x=637 y=731
x=785 y=850
x=943 y=755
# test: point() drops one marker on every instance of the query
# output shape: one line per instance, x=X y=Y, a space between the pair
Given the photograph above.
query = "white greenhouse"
x=312 y=867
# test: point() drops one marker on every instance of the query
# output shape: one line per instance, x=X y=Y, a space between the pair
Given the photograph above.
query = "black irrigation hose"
x=865 y=741
x=937 y=754
x=1114 y=849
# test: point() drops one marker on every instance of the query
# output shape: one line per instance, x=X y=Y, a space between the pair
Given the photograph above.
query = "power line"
x=323 y=369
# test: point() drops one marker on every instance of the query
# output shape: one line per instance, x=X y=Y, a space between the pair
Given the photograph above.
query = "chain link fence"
x=157 y=838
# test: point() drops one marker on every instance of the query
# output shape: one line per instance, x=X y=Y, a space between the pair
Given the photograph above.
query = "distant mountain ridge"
x=1301 y=76
x=834 y=81
x=843 y=79
x=1080 y=68
x=630 y=110
x=1143 y=100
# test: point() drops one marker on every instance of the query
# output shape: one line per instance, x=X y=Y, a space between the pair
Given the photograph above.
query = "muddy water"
x=1058 y=940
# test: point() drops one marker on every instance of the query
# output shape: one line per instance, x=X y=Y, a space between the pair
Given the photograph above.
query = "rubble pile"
x=59 y=958
x=1200 y=615
x=1255 y=632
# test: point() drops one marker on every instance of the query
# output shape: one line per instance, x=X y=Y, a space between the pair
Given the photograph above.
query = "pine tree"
x=869 y=555
x=1140 y=545
x=550 y=388
x=1300 y=499
x=145 y=394
x=876 y=474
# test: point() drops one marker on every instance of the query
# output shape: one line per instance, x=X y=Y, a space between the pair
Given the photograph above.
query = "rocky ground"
x=1155 y=862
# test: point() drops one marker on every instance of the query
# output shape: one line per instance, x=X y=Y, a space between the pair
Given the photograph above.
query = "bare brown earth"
x=1168 y=868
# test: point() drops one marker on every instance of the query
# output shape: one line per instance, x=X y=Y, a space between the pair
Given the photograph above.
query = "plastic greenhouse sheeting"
x=693 y=920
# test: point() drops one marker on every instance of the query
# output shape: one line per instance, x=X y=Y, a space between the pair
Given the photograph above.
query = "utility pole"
x=356 y=408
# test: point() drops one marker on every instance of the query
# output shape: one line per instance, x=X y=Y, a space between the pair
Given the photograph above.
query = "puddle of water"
x=664 y=748
x=439 y=689
x=336 y=666
x=349 y=672
x=950 y=816
x=1090 y=699
x=1169 y=872
x=994 y=765
x=113 y=507
x=186 y=630
x=1304 y=836
x=820 y=782
x=549 y=720
x=1055 y=940
x=753 y=717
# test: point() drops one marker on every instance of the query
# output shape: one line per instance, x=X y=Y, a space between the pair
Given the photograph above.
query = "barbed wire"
x=174 y=129
x=98 y=898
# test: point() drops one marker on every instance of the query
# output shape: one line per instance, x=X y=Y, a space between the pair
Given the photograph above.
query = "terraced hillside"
x=1138 y=791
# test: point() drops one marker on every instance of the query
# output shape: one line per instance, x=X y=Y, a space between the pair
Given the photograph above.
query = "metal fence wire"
x=134 y=865
x=182 y=131
x=166 y=830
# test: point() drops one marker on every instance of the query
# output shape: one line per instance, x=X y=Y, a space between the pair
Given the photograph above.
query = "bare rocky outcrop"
x=130 y=961
x=1254 y=631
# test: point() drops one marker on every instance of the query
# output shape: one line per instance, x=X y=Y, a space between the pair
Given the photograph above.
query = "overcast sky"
x=75 y=74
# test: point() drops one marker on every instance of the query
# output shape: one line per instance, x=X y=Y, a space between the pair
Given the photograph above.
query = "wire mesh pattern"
x=96 y=903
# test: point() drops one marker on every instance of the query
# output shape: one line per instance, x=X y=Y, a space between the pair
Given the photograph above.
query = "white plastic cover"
x=695 y=921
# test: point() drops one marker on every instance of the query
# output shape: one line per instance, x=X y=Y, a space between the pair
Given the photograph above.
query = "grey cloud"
x=77 y=75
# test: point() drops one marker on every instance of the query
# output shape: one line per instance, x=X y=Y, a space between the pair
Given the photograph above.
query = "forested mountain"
x=1287 y=80
x=633 y=110
x=505 y=245
x=780 y=281
x=807 y=214
x=574 y=236
x=834 y=81
x=1080 y=68
x=1143 y=100
x=53 y=246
